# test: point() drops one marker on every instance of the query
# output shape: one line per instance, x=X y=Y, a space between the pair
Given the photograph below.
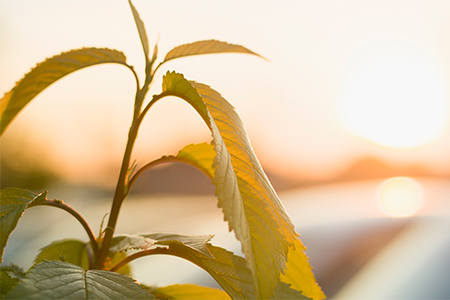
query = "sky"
x=342 y=81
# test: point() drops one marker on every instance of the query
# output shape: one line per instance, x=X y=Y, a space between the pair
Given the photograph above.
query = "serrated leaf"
x=249 y=202
x=130 y=242
x=142 y=35
x=285 y=292
x=190 y=292
x=71 y=251
x=206 y=47
x=197 y=243
x=60 y=280
x=48 y=72
x=230 y=271
x=13 y=202
x=7 y=283
x=200 y=155
x=13 y=270
x=299 y=273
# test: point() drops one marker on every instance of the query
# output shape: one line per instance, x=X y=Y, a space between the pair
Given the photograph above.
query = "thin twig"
x=60 y=204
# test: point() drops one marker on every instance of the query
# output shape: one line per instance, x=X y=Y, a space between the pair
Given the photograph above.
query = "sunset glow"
x=395 y=96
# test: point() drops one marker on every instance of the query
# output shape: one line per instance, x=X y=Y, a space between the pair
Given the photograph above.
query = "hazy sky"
x=346 y=79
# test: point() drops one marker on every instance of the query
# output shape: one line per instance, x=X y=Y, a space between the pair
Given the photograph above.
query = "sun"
x=393 y=94
x=400 y=197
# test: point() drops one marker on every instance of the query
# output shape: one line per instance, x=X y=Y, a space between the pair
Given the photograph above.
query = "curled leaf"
x=248 y=200
x=48 y=72
x=206 y=47
x=13 y=202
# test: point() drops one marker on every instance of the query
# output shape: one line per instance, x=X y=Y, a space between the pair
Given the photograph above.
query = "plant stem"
x=60 y=204
x=119 y=196
x=122 y=187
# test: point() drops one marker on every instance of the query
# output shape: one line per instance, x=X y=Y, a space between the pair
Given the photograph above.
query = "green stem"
x=119 y=196
x=60 y=204
x=122 y=187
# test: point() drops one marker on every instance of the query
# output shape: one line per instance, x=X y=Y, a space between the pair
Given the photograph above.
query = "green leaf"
x=60 y=280
x=206 y=47
x=7 y=283
x=13 y=202
x=299 y=273
x=9 y=278
x=142 y=35
x=190 y=292
x=46 y=73
x=116 y=258
x=145 y=241
x=197 y=243
x=249 y=202
x=130 y=242
x=70 y=251
x=230 y=271
x=200 y=155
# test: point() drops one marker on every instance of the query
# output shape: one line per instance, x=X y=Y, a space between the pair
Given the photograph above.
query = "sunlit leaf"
x=70 y=251
x=60 y=280
x=13 y=202
x=46 y=73
x=206 y=47
x=197 y=243
x=142 y=34
x=249 y=202
x=190 y=292
x=299 y=273
x=130 y=242
x=230 y=271
x=285 y=292
x=200 y=155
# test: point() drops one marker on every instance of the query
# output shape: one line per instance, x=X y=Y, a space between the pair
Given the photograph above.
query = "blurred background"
x=349 y=118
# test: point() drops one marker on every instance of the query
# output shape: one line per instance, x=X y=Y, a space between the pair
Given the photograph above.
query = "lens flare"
x=400 y=197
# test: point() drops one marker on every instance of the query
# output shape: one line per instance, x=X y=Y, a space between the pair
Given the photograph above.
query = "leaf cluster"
x=274 y=267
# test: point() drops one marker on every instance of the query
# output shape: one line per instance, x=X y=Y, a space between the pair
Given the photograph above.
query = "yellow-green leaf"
x=142 y=34
x=70 y=251
x=230 y=271
x=249 y=202
x=197 y=243
x=133 y=242
x=46 y=73
x=116 y=258
x=190 y=292
x=206 y=47
x=13 y=202
x=299 y=273
x=200 y=155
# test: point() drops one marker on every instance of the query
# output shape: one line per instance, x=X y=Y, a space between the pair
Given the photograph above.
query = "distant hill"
x=180 y=178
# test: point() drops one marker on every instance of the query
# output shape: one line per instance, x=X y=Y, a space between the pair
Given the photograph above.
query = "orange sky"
x=291 y=106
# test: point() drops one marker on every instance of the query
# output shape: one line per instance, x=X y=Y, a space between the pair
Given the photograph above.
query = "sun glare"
x=400 y=197
x=393 y=94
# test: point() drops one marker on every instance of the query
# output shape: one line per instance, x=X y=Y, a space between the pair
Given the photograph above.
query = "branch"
x=60 y=204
